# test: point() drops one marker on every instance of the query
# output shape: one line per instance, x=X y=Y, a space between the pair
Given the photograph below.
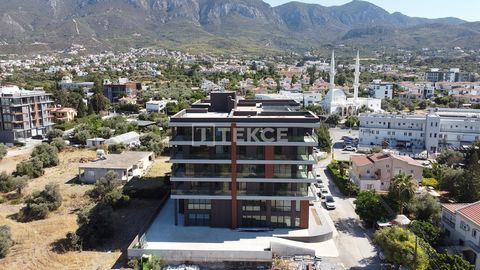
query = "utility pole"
x=416 y=253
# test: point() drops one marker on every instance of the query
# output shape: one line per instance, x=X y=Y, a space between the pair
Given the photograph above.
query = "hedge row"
x=341 y=180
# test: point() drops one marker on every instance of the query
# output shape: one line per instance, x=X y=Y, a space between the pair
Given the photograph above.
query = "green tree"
x=3 y=150
x=46 y=153
x=6 y=241
x=351 y=121
x=445 y=261
x=398 y=246
x=333 y=119
x=59 y=144
x=54 y=133
x=450 y=157
x=99 y=103
x=402 y=190
x=427 y=231
x=369 y=207
x=426 y=208
x=324 y=139
x=40 y=203
x=105 y=185
x=6 y=183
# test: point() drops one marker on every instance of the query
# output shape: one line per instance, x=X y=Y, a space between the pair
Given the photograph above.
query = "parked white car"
x=330 y=202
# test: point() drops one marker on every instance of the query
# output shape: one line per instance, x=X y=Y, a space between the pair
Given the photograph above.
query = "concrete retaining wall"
x=204 y=255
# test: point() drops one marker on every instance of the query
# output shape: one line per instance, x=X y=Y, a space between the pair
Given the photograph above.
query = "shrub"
x=337 y=170
x=432 y=182
x=116 y=199
x=54 y=133
x=6 y=241
x=95 y=225
x=104 y=132
x=3 y=150
x=32 y=168
x=40 y=203
x=427 y=231
x=117 y=148
x=152 y=142
x=6 y=183
x=58 y=143
x=82 y=136
x=46 y=153
x=105 y=185
x=73 y=242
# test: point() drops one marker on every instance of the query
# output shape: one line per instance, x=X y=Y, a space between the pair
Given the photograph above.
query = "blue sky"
x=464 y=9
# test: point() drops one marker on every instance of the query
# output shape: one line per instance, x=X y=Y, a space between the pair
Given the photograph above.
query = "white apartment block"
x=461 y=223
x=381 y=90
x=440 y=129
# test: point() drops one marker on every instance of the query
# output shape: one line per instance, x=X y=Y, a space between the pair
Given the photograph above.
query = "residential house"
x=64 y=114
x=381 y=90
x=461 y=223
x=377 y=170
x=121 y=88
x=127 y=165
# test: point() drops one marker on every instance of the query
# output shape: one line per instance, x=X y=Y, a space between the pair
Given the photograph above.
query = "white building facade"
x=155 y=105
x=381 y=90
x=461 y=223
x=440 y=129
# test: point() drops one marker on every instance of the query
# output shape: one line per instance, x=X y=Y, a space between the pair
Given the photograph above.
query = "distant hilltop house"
x=62 y=115
x=375 y=171
x=156 y=105
x=121 y=88
x=127 y=165
x=25 y=114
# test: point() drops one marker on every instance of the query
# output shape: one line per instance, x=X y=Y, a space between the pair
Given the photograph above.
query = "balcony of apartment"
x=298 y=177
x=275 y=192
x=201 y=158
x=201 y=173
x=278 y=159
x=201 y=190
x=289 y=140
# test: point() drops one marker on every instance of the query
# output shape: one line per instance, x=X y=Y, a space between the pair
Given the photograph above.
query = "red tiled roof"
x=453 y=207
x=472 y=212
x=360 y=160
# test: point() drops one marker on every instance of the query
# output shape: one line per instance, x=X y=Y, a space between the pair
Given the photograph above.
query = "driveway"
x=353 y=241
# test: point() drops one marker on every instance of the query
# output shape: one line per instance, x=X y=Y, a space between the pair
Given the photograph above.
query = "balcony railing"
x=289 y=193
x=448 y=222
x=201 y=174
x=201 y=156
x=196 y=191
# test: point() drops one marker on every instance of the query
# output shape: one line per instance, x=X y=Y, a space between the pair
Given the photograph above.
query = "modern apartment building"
x=439 y=129
x=377 y=170
x=452 y=75
x=461 y=223
x=381 y=90
x=24 y=114
x=243 y=163
x=121 y=88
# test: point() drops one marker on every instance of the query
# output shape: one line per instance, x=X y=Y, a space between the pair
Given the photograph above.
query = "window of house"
x=474 y=233
x=254 y=206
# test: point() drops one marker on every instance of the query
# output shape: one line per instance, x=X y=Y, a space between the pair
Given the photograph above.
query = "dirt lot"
x=8 y=164
x=34 y=240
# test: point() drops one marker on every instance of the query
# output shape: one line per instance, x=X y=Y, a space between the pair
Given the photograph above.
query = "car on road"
x=350 y=148
x=319 y=185
x=318 y=175
x=329 y=202
x=324 y=192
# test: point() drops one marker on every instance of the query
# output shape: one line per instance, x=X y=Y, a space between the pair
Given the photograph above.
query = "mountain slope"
x=241 y=25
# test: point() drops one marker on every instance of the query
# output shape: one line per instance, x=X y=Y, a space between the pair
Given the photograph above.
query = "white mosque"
x=337 y=102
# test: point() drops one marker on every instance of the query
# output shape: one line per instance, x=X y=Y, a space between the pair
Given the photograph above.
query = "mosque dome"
x=335 y=96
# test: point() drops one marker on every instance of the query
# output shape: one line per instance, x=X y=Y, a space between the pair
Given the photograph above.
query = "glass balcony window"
x=201 y=188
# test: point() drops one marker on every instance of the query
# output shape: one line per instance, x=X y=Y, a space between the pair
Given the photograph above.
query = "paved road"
x=353 y=241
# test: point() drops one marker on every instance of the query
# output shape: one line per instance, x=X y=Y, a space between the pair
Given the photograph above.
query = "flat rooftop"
x=224 y=106
x=117 y=161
